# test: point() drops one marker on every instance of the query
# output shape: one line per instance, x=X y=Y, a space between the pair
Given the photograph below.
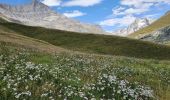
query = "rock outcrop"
x=160 y=36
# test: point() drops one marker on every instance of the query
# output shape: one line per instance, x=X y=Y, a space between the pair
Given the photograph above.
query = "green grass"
x=64 y=73
x=69 y=72
x=91 y=43
x=2 y=20
x=160 y=23
x=36 y=56
x=41 y=58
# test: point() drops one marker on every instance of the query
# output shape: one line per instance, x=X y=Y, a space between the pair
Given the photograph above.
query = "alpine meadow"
x=67 y=50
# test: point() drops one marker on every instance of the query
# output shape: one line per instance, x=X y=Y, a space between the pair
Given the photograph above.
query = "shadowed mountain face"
x=38 y=14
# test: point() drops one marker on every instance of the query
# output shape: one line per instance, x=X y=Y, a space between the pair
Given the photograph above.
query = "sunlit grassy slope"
x=9 y=36
x=90 y=43
x=29 y=43
x=162 y=22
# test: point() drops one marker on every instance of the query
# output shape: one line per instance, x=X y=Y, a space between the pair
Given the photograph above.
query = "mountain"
x=38 y=63
x=156 y=25
x=160 y=36
x=138 y=24
x=38 y=14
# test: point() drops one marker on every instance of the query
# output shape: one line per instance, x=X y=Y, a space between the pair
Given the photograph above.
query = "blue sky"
x=110 y=14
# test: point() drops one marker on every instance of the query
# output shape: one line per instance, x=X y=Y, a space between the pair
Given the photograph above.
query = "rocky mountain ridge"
x=38 y=14
x=138 y=24
x=160 y=36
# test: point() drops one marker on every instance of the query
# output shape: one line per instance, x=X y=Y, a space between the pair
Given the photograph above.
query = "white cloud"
x=75 y=13
x=135 y=10
x=136 y=6
x=82 y=3
x=151 y=16
x=143 y=3
x=51 y=2
x=123 y=21
x=124 y=14
x=133 y=7
x=118 y=10
x=129 y=11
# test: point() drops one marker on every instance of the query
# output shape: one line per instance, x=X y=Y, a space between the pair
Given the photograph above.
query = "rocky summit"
x=39 y=14
x=138 y=24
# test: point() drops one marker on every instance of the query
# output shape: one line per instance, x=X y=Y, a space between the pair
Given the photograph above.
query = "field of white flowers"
x=81 y=77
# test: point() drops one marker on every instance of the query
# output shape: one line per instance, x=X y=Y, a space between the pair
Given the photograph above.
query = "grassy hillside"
x=2 y=20
x=29 y=43
x=28 y=70
x=9 y=36
x=162 y=22
x=101 y=44
x=30 y=75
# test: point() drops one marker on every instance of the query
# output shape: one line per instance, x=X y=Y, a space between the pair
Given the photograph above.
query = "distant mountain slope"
x=38 y=14
x=160 y=23
x=138 y=24
x=160 y=36
x=92 y=43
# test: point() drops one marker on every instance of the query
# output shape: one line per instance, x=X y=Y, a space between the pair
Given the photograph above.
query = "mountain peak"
x=39 y=14
x=139 y=23
x=36 y=5
x=141 y=19
x=35 y=2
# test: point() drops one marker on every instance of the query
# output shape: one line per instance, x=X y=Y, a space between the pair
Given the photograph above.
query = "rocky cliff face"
x=38 y=14
x=160 y=36
x=167 y=13
x=135 y=26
